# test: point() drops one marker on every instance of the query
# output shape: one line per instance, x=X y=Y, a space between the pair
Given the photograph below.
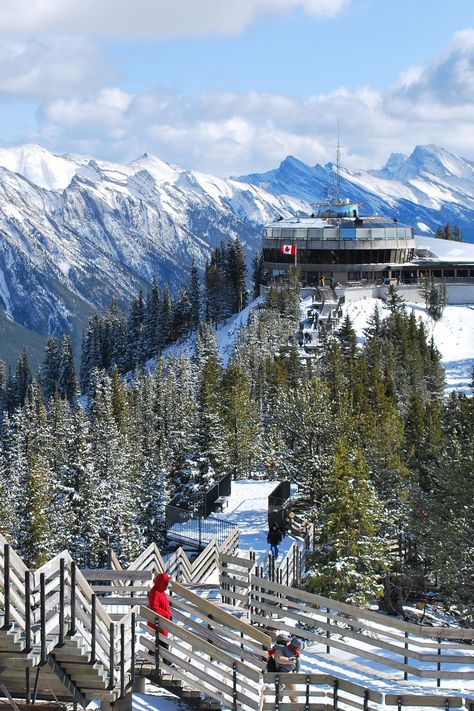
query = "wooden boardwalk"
x=68 y=635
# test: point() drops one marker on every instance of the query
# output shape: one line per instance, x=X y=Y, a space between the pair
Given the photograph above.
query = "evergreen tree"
x=67 y=384
x=395 y=302
x=49 y=377
x=350 y=562
x=194 y=291
x=241 y=421
x=260 y=275
x=23 y=378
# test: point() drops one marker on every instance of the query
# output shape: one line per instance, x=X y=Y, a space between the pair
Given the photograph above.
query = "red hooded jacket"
x=158 y=599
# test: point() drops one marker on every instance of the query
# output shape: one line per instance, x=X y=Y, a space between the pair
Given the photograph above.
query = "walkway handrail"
x=394 y=644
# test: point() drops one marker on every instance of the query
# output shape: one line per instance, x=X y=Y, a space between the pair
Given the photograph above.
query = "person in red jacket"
x=158 y=601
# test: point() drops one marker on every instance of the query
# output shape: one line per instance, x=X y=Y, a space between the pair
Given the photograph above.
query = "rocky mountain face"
x=426 y=189
x=75 y=231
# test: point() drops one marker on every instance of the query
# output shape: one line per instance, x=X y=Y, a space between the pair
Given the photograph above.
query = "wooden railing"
x=236 y=572
x=218 y=653
x=55 y=603
x=212 y=650
x=327 y=692
x=402 y=648
x=15 y=587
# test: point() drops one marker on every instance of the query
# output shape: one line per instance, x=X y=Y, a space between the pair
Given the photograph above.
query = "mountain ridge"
x=76 y=231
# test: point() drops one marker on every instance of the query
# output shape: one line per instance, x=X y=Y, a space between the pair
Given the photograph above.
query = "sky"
x=233 y=88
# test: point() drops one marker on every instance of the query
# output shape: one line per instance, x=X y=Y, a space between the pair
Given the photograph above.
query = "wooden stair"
x=166 y=680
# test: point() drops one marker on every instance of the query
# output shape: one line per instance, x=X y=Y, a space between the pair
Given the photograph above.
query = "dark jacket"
x=158 y=599
x=275 y=536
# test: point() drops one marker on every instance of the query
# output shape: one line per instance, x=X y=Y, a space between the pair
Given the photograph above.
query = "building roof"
x=321 y=222
x=431 y=249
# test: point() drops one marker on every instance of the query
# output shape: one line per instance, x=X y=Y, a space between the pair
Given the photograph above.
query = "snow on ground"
x=453 y=336
x=248 y=507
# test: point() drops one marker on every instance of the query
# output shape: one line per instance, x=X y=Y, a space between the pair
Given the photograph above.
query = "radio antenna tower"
x=338 y=168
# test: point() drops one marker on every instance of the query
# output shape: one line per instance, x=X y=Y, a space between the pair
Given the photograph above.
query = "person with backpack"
x=282 y=657
x=274 y=538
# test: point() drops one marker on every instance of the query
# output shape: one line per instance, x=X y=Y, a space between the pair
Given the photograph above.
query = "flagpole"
x=296 y=250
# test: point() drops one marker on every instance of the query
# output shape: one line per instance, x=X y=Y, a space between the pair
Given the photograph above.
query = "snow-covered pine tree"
x=49 y=376
x=350 y=561
x=67 y=384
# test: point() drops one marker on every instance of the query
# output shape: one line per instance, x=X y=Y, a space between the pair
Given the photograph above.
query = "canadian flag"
x=288 y=249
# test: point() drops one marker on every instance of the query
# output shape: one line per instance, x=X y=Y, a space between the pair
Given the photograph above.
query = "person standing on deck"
x=274 y=538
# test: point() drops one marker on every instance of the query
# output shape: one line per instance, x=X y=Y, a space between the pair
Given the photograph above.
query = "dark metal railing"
x=190 y=526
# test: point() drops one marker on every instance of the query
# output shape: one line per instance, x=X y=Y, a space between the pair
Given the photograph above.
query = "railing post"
x=399 y=703
x=277 y=692
x=6 y=585
x=132 y=643
x=335 y=694
x=93 y=627
x=43 y=619
x=28 y=645
x=72 y=629
x=366 y=700
x=306 y=702
x=28 y=611
x=122 y=660
x=446 y=704
x=234 y=686
x=157 y=647
x=405 y=658
x=111 y=656
x=328 y=631
x=438 y=665
x=61 y=602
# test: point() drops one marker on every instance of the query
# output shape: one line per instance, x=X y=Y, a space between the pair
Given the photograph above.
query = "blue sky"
x=231 y=88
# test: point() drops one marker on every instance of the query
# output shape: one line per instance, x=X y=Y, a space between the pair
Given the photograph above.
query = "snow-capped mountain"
x=75 y=231
x=426 y=189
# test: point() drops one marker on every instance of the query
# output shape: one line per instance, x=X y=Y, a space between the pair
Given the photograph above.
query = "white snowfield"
x=453 y=336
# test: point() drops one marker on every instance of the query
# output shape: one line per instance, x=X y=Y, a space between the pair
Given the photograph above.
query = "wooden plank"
x=356 y=613
x=254 y=657
x=150 y=555
x=208 y=676
x=109 y=600
x=190 y=615
x=198 y=643
x=222 y=616
x=423 y=700
x=370 y=641
x=117 y=589
x=336 y=644
x=237 y=562
x=99 y=574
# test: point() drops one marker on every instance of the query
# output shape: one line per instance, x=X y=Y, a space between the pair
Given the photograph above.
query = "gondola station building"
x=340 y=247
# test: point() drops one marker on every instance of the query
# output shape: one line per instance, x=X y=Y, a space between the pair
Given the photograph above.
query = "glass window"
x=300 y=233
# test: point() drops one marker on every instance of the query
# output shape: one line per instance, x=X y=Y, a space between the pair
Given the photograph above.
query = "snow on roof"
x=446 y=250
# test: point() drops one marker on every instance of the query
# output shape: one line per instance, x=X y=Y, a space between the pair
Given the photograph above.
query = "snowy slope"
x=453 y=336
x=75 y=231
x=426 y=189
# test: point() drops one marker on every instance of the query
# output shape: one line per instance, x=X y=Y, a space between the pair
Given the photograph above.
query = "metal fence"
x=190 y=527
x=276 y=504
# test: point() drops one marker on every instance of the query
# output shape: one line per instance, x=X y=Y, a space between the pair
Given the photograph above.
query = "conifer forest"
x=383 y=459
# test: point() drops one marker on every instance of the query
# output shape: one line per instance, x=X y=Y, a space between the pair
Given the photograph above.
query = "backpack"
x=271 y=663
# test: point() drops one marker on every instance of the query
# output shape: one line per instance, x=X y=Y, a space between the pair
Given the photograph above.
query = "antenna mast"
x=338 y=167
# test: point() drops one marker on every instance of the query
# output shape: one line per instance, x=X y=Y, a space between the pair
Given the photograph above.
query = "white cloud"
x=228 y=133
x=51 y=67
x=148 y=18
